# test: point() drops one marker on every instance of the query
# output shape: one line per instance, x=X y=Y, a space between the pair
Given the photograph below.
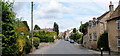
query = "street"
x=64 y=47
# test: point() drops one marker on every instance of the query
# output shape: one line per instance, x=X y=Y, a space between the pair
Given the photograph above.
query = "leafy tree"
x=9 y=46
x=74 y=30
x=25 y=23
x=83 y=27
x=103 y=41
x=75 y=36
x=36 y=27
x=56 y=28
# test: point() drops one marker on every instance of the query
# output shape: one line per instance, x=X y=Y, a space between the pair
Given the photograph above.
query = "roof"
x=99 y=18
x=115 y=14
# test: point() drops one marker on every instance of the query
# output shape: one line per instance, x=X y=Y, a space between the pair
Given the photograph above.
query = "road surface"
x=64 y=47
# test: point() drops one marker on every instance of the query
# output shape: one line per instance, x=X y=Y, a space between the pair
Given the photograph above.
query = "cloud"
x=67 y=13
x=53 y=9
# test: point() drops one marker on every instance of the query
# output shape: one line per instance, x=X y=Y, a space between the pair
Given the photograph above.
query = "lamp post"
x=109 y=51
x=81 y=32
x=101 y=51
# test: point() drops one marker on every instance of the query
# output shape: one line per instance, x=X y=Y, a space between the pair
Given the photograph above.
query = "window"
x=95 y=36
x=118 y=24
x=90 y=24
x=90 y=36
x=119 y=41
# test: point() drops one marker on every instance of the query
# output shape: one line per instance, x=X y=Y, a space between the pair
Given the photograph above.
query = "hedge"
x=36 y=41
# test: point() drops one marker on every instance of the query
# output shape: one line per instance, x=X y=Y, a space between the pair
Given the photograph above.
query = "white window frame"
x=118 y=24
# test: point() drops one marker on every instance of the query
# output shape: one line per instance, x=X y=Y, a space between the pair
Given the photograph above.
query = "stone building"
x=96 y=27
x=113 y=25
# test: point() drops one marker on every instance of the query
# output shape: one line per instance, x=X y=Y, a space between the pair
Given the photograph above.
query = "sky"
x=66 y=13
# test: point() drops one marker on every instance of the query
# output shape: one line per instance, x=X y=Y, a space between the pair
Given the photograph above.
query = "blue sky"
x=67 y=13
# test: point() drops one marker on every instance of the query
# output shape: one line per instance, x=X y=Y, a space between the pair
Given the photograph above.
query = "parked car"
x=69 y=39
x=72 y=41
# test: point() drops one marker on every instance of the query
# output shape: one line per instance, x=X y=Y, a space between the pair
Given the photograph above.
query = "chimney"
x=119 y=2
x=94 y=18
x=111 y=7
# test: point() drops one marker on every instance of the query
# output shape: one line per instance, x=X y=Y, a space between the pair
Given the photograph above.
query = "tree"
x=74 y=30
x=83 y=28
x=75 y=36
x=26 y=24
x=56 y=28
x=36 y=27
x=103 y=41
x=9 y=46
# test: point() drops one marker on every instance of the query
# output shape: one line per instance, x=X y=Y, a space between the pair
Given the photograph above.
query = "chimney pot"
x=110 y=2
x=119 y=2
x=111 y=7
x=94 y=18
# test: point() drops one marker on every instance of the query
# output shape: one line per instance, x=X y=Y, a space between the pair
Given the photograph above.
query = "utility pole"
x=81 y=32
x=32 y=23
x=81 y=26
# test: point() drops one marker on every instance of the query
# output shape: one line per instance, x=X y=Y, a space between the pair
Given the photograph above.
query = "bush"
x=45 y=36
x=75 y=36
x=103 y=41
x=79 y=41
x=28 y=45
x=9 y=46
x=21 y=45
x=36 y=41
x=50 y=39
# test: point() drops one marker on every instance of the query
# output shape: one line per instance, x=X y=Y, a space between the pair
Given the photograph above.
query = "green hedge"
x=76 y=36
x=36 y=41
x=45 y=36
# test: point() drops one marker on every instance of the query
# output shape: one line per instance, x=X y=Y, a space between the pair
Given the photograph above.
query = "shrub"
x=9 y=46
x=21 y=45
x=50 y=39
x=28 y=45
x=45 y=36
x=75 y=36
x=79 y=41
x=103 y=41
x=57 y=37
x=36 y=41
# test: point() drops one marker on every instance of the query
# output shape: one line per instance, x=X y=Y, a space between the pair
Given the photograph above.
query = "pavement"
x=64 y=47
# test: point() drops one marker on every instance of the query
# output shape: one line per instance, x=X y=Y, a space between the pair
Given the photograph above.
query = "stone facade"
x=113 y=25
x=96 y=27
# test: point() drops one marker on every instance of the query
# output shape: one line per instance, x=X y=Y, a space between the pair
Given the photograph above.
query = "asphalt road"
x=64 y=47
